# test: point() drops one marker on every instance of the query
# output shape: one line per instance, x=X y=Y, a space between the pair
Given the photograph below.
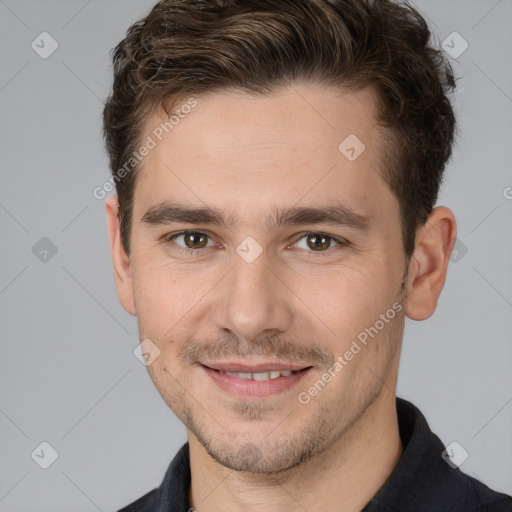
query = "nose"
x=253 y=301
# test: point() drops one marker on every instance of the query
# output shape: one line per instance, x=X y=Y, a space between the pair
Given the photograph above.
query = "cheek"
x=155 y=279
x=347 y=299
x=166 y=378
x=169 y=299
x=159 y=295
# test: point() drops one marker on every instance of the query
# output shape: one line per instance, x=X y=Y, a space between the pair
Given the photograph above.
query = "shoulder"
x=424 y=480
x=486 y=499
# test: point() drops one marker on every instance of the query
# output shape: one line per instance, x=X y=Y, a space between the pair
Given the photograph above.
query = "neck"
x=345 y=477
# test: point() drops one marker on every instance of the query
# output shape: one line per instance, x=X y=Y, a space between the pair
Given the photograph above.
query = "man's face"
x=258 y=295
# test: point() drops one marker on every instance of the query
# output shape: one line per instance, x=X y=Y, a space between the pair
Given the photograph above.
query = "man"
x=276 y=166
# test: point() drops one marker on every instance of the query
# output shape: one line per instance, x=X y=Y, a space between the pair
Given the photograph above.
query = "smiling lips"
x=259 y=375
x=255 y=380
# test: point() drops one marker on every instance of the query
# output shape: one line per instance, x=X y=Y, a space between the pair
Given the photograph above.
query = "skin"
x=247 y=155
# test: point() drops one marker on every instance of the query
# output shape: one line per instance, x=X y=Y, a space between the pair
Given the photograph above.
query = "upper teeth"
x=259 y=375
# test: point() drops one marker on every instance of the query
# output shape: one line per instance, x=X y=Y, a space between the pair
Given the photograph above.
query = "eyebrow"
x=334 y=215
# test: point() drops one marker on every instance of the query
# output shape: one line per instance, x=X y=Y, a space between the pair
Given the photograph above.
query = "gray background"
x=67 y=369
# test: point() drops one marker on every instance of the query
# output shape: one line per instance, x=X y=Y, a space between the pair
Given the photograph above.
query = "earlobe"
x=429 y=263
x=120 y=260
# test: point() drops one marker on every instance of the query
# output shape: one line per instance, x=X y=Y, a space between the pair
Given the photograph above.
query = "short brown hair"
x=186 y=47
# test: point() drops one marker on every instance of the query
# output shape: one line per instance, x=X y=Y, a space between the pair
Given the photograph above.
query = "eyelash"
x=312 y=254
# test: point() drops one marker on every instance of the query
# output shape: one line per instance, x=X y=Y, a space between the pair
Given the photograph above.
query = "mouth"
x=260 y=380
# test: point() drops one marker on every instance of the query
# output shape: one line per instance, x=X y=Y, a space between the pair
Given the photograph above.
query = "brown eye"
x=318 y=242
x=190 y=240
x=195 y=240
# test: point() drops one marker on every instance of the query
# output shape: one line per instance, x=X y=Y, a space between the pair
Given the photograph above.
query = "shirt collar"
x=421 y=469
x=422 y=480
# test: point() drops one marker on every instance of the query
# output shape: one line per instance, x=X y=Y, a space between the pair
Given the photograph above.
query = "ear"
x=120 y=260
x=429 y=263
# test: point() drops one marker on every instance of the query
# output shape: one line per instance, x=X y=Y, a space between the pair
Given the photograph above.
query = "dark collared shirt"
x=422 y=481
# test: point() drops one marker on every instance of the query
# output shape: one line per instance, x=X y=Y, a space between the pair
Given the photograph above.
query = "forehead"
x=241 y=151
